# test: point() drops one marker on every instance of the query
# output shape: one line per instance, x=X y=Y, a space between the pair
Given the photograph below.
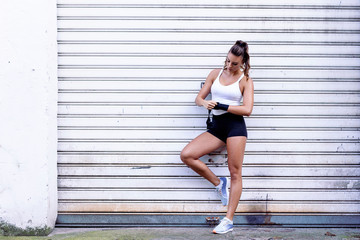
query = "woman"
x=228 y=87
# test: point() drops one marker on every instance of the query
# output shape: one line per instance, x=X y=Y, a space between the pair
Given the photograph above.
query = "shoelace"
x=224 y=222
x=219 y=190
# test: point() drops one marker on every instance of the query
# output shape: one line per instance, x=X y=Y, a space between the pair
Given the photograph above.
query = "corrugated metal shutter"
x=128 y=75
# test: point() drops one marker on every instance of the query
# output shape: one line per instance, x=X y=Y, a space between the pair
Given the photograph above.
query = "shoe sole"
x=230 y=230
x=227 y=193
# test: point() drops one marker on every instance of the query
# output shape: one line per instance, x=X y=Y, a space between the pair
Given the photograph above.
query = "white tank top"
x=230 y=94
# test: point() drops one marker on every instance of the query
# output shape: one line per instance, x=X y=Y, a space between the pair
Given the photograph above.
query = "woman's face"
x=233 y=62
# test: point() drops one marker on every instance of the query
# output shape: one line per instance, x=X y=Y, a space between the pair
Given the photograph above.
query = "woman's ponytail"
x=241 y=49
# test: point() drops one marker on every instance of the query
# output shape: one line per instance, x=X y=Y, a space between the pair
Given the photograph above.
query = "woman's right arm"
x=205 y=90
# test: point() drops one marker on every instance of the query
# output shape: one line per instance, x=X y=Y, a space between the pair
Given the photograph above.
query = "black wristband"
x=221 y=106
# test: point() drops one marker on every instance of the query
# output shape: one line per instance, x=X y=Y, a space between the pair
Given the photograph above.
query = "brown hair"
x=241 y=49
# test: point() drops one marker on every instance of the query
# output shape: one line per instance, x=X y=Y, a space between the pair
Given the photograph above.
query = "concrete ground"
x=254 y=233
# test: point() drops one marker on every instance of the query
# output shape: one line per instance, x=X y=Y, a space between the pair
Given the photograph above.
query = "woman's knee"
x=185 y=156
x=236 y=174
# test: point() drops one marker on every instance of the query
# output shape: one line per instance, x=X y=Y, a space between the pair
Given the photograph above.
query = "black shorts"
x=228 y=125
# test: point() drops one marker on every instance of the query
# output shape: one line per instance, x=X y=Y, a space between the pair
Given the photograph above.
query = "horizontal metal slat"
x=179 y=35
x=122 y=110
x=206 y=195
x=248 y=171
x=124 y=97
x=67 y=183
x=104 y=121
x=200 y=3
x=177 y=146
x=299 y=85
x=199 y=207
x=248 y=11
x=256 y=158
x=173 y=48
x=175 y=61
x=211 y=24
x=203 y=72
x=209 y=42
x=187 y=134
x=85 y=55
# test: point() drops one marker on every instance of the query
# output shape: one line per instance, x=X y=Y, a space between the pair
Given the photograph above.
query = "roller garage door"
x=129 y=72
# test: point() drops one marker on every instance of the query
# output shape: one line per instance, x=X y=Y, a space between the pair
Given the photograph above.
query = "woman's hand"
x=209 y=104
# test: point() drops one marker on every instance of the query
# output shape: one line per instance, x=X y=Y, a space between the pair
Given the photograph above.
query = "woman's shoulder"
x=213 y=75
x=215 y=72
x=246 y=81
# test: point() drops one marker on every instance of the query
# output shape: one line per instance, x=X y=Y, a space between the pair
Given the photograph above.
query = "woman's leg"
x=235 y=150
x=203 y=144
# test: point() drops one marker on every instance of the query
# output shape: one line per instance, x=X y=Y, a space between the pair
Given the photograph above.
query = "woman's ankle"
x=217 y=183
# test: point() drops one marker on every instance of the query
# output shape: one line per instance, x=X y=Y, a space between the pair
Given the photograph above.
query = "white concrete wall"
x=28 y=109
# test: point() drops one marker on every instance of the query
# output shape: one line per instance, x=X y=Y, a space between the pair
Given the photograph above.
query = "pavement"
x=167 y=233
x=254 y=233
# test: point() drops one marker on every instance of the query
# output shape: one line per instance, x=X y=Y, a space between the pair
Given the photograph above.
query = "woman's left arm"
x=248 y=100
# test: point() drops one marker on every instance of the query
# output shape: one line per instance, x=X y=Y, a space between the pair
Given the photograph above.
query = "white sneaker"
x=224 y=226
x=223 y=190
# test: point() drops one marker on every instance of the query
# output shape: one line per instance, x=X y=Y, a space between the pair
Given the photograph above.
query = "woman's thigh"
x=235 y=147
x=201 y=145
